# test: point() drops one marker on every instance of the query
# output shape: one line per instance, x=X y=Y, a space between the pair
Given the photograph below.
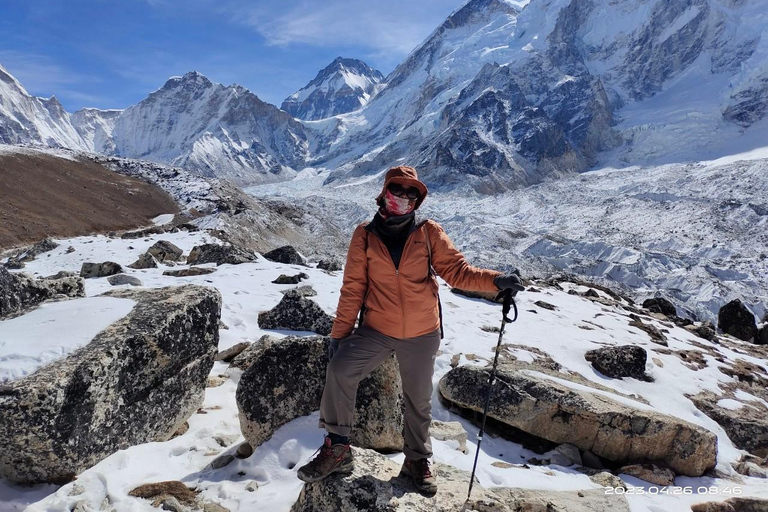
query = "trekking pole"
x=508 y=304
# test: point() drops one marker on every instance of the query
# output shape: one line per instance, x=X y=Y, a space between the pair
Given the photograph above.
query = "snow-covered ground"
x=246 y=290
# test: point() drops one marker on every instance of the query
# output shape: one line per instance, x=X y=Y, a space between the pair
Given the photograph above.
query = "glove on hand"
x=509 y=282
x=333 y=346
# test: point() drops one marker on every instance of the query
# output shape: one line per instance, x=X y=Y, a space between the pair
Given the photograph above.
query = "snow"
x=688 y=15
x=730 y=404
x=247 y=289
x=163 y=219
x=53 y=331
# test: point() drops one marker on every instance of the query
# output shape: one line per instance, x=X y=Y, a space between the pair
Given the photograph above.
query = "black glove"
x=509 y=282
x=333 y=346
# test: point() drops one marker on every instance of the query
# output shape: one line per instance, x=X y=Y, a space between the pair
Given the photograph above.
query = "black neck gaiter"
x=394 y=231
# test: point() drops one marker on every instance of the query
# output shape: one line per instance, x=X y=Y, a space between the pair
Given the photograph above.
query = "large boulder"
x=219 y=254
x=136 y=382
x=32 y=252
x=618 y=362
x=285 y=380
x=375 y=485
x=296 y=313
x=105 y=269
x=534 y=403
x=164 y=251
x=738 y=504
x=735 y=319
x=762 y=335
x=145 y=261
x=121 y=279
x=660 y=305
x=745 y=424
x=19 y=292
x=285 y=254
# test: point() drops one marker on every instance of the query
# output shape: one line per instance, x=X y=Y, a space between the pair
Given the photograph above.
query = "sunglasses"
x=398 y=190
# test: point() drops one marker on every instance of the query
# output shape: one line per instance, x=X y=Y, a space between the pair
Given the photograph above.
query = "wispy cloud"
x=394 y=27
x=39 y=74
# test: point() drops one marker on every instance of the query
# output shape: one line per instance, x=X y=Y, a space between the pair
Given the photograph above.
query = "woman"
x=390 y=283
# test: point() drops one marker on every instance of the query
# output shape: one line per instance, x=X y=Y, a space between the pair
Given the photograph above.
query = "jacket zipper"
x=397 y=272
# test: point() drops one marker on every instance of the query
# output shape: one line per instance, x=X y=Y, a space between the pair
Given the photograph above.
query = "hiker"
x=389 y=282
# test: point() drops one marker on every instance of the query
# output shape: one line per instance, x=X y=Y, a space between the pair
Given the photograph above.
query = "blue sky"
x=112 y=53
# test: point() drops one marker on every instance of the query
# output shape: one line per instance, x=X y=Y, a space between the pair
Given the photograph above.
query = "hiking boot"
x=423 y=478
x=333 y=458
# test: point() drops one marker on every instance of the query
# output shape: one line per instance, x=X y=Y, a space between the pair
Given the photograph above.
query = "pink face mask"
x=398 y=205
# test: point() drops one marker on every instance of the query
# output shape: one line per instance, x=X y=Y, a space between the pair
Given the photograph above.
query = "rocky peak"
x=190 y=80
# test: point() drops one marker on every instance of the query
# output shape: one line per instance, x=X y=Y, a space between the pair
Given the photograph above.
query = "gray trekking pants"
x=358 y=355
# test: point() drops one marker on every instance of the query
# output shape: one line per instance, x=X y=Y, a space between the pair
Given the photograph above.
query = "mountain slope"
x=343 y=86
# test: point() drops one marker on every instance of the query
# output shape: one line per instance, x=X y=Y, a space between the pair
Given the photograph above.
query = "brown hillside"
x=43 y=195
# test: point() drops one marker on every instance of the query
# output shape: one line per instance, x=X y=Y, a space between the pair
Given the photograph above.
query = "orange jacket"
x=402 y=302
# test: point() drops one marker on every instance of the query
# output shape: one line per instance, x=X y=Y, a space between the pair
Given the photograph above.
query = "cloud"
x=38 y=74
x=395 y=27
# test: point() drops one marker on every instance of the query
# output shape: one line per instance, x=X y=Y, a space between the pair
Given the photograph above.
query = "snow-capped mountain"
x=222 y=131
x=95 y=126
x=343 y=86
x=505 y=94
x=25 y=118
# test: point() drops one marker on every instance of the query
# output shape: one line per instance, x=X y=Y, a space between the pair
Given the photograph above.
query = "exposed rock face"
x=535 y=404
x=296 y=313
x=329 y=265
x=19 y=292
x=650 y=473
x=660 y=305
x=735 y=319
x=285 y=254
x=93 y=270
x=449 y=430
x=120 y=279
x=375 y=485
x=747 y=426
x=618 y=362
x=218 y=254
x=135 y=382
x=144 y=261
x=164 y=251
x=285 y=380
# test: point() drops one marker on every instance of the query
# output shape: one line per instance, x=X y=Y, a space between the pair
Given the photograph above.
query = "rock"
x=590 y=460
x=705 y=330
x=569 y=453
x=214 y=382
x=285 y=254
x=656 y=335
x=286 y=279
x=94 y=270
x=121 y=279
x=226 y=440
x=213 y=507
x=190 y=272
x=586 y=500
x=329 y=265
x=252 y=486
x=145 y=261
x=606 y=479
x=303 y=290
x=230 y=353
x=19 y=292
x=732 y=505
x=545 y=305
x=618 y=362
x=244 y=450
x=245 y=359
x=449 y=431
x=219 y=254
x=146 y=373
x=762 y=336
x=170 y=488
x=592 y=293
x=61 y=274
x=296 y=313
x=660 y=305
x=14 y=264
x=70 y=250
x=220 y=462
x=286 y=379
x=37 y=249
x=164 y=251
x=610 y=429
x=183 y=429
x=735 y=319
x=747 y=426
x=749 y=465
x=650 y=473
x=375 y=485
